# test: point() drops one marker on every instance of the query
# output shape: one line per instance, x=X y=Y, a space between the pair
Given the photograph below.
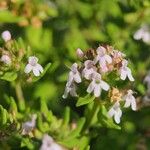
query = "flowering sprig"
x=94 y=70
x=12 y=56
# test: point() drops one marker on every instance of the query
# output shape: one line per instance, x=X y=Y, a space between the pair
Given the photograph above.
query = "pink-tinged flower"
x=6 y=36
x=70 y=88
x=104 y=69
x=97 y=85
x=115 y=112
x=102 y=57
x=89 y=69
x=33 y=66
x=6 y=59
x=125 y=71
x=130 y=100
x=79 y=53
x=49 y=144
x=117 y=55
x=74 y=74
x=28 y=126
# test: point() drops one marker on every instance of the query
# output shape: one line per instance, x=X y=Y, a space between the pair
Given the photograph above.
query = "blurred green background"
x=55 y=29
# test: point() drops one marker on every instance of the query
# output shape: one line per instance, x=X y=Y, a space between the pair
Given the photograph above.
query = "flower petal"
x=133 y=104
x=65 y=95
x=108 y=59
x=77 y=77
x=28 y=68
x=119 y=112
x=123 y=74
x=90 y=87
x=39 y=67
x=36 y=72
x=138 y=35
x=97 y=90
x=104 y=85
x=127 y=102
x=130 y=77
x=117 y=118
x=73 y=91
x=111 y=112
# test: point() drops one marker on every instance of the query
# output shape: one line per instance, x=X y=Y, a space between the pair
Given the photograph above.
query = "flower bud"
x=79 y=53
x=6 y=36
x=6 y=59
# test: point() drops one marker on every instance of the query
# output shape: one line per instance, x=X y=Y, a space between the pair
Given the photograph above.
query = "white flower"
x=6 y=36
x=115 y=112
x=125 y=71
x=89 y=69
x=143 y=34
x=74 y=74
x=130 y=100
x=70 y=88
x=49 y=144
x=79 y=53
x=102 y=57
x=33 y=66
x=6 y=59
x=29 y=125
x=97 y=85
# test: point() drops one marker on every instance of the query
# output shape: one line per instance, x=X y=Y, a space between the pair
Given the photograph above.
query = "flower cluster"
x=95 y=66
x=115 y=111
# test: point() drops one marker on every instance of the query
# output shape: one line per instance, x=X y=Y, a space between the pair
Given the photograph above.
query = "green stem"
x=20 y=97
x=91 y=115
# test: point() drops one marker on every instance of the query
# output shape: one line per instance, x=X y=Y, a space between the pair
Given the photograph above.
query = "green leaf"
x=3 y=115
x=44 y=110
x=85 y=100
x=76 y=132
x=69 y=143
x=13 y=106
x=9 y=76
x=40 y=35
x=26 y=142
x=105 y=121
x=66 y=117
x=83 y=143
x=71 y=139
x=78 y=143
x=141 y=89
x=44 y=72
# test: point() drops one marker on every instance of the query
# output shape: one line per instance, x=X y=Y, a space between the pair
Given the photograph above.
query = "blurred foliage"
x=54 y=30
